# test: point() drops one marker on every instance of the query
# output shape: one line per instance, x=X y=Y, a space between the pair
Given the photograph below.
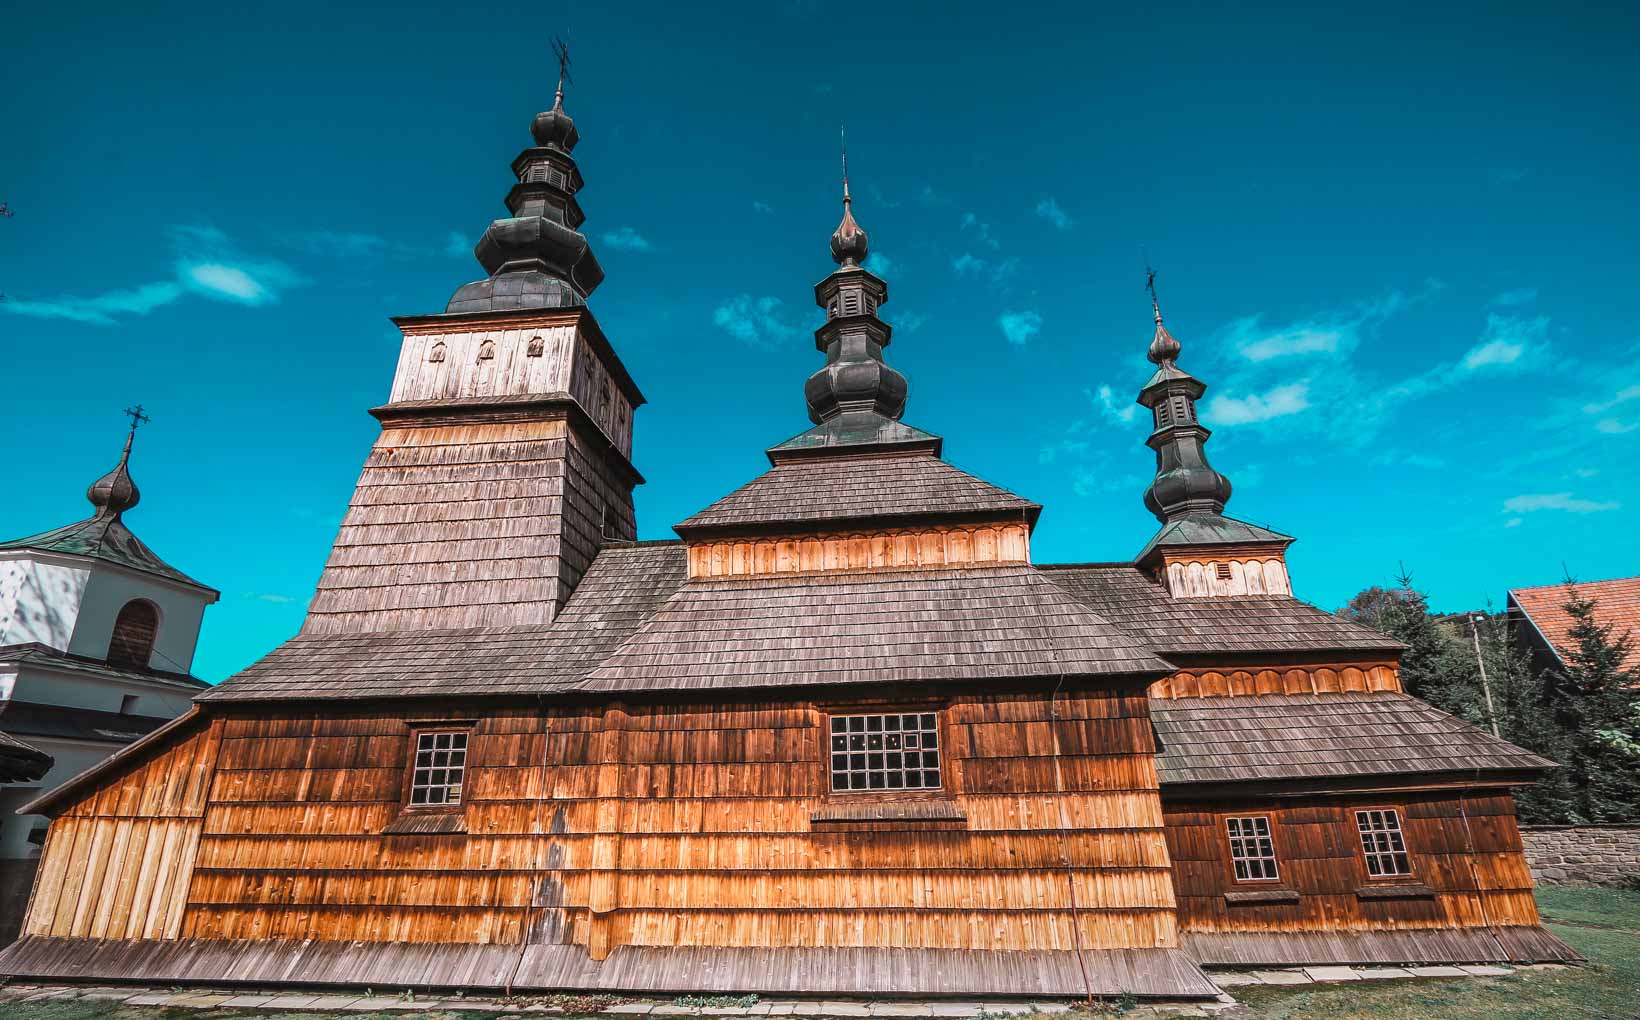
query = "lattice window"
x=885 y=752
x=135 y=628
x=439 y=767
x=1382 y=843
x=1252 y=851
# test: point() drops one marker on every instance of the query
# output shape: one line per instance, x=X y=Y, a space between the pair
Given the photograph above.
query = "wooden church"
x=842 y=736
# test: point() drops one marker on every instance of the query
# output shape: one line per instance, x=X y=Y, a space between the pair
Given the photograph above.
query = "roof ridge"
x=1574 y=583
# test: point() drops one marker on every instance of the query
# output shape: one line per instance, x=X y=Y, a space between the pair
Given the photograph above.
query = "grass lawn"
x=1603 y=924
x=1608 y=989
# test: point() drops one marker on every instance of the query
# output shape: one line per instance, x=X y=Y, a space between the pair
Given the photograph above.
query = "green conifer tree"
x=1596 y=700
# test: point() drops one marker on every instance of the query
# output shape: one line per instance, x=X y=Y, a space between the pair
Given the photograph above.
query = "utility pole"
x=1486 y=686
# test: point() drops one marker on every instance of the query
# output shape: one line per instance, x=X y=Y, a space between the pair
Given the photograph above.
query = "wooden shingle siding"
x=1310 y=678
x=469 y=525
x=1465 y=849
x=957 y=545
x=648 y=824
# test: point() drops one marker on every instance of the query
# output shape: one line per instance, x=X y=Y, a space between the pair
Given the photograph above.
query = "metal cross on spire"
x=138 y=418
x=1150 y=285
x=560 y=49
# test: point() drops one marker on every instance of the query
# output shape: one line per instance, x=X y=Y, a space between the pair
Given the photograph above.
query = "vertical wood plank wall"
x=678 y=825
x=117 y=864
x=1319 y=855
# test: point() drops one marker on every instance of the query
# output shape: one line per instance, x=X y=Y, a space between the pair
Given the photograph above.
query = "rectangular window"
x=1381 y=841
x=885 y=752
x=1252 y=851
x=440 y=765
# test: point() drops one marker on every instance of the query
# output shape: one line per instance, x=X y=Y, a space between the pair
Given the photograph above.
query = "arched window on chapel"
x=134 y=631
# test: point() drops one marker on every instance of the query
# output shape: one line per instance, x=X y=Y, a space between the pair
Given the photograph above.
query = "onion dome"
x=849 y=242
x=554 y=128
x=1185 y=483
x=1163 y=348
x=115 y=492
x=537 y=257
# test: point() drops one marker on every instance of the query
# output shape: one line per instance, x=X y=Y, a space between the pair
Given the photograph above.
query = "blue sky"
x=1398 y=243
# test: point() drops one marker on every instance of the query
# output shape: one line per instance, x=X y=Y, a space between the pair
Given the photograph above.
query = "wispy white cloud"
x=881 y=265
x=207 y=264
x=967 y=263
x=1278 y=402
x=1506 y=341
x=1512 y=298
x=1123 y=412
x=1507 y=174
x=626 y=239
x=759 y=321
x=981 y=230
x=907 y=321
x=1049 y=210
x=1019 y=327
x=456 y=245
x=1561 y=501
x=930 y=198
x=879 y=198
x=758 y=205
x=1333 y=332
x=273 y=597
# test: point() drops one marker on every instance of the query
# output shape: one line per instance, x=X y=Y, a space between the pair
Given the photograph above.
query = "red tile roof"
x=1616 y=602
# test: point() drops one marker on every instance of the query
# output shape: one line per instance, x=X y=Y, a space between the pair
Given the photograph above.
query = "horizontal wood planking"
x=874 y=550
x=1320 y=678
x=687 y=824
x=1475 y=868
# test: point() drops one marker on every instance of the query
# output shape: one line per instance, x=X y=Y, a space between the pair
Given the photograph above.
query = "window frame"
x=945 y=791
x=413 y=748
x=147 y=659
x=1229 y=845
x=1400 y=813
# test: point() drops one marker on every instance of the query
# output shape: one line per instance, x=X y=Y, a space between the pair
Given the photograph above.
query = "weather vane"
x=1150 y=285
x=560 y=49
x=5 y=210
x=138 y=418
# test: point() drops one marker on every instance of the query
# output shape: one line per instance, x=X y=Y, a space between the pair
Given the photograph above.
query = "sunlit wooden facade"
x=843 y=736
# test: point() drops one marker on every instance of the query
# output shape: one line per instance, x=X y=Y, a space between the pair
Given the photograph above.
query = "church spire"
x=537 y=257
x=855 y=380
x=1185 y=484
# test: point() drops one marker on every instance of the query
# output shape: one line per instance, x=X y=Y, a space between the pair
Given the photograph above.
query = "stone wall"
x=1592 y=854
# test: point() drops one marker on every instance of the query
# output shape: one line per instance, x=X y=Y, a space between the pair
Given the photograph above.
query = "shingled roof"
x=623 y=586
x=1269 y=737
x=878 y=488
x=19 y=762
x=1616 y=602
x=878 y=627
x=104 y=538
x=1129 y=598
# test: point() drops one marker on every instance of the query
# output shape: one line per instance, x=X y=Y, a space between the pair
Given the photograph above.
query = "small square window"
x=1382 y=843
x=1252 y=851
x=885 y=752
x=437 y=768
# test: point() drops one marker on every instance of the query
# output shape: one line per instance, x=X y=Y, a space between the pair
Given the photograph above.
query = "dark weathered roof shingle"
x=835 y=489
x=105 y=538
x=1127 y=597
x=623 y=586
x=876 y=627
x=1269 y=737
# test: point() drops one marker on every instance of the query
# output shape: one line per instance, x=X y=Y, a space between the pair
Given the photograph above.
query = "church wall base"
x=648 y=970
x=1513 y=944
